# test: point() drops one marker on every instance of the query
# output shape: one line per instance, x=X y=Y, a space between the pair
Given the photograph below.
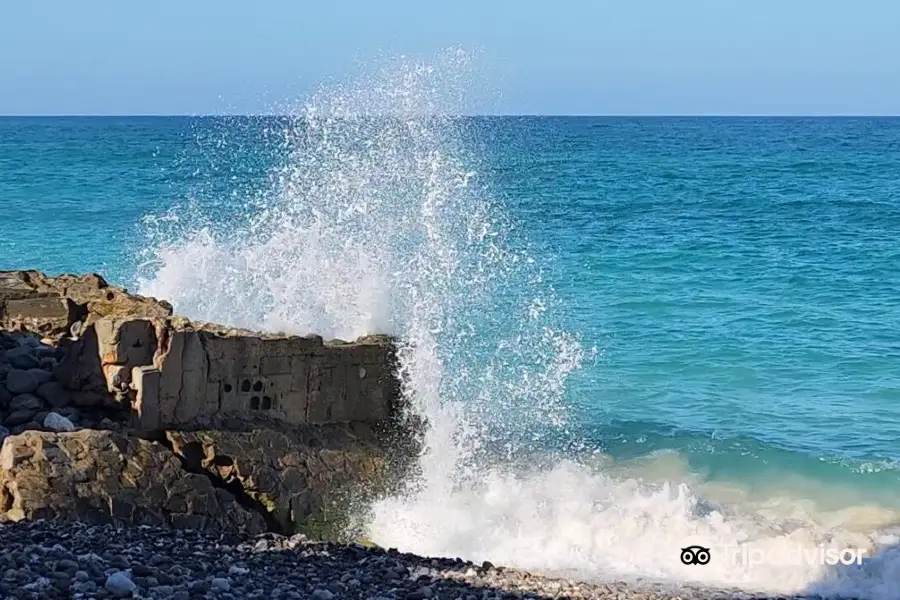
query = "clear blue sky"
x=545 y=57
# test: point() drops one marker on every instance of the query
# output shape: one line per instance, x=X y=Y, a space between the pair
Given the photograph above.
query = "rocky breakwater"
x=113 y=409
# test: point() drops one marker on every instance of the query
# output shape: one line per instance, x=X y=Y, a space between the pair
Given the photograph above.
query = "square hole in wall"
x=254 y=393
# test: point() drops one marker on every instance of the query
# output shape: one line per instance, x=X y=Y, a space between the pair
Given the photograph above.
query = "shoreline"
x=78 y=560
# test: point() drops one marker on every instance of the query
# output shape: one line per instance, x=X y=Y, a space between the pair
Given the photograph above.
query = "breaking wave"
x=377 y=218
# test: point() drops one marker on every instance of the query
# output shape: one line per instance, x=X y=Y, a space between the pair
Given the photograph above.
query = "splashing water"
x=377 y=221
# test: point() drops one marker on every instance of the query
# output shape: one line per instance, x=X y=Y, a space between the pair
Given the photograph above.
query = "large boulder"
x=103 y=476
x=306 y=479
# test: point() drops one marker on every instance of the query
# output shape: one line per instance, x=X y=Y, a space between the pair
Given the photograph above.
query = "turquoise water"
x=737 y=277
x=740 y=276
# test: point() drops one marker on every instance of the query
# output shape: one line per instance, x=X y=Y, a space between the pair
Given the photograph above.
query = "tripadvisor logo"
x=752 y=556
x=695 y=555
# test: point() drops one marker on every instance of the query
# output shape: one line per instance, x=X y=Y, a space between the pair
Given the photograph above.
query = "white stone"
x=56 y=422
x=120 y=584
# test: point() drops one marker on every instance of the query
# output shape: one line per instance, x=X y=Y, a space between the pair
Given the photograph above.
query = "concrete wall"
x=172 y=372
x=197 y=374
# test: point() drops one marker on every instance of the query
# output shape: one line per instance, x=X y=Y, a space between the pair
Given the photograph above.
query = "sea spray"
x=377 y=217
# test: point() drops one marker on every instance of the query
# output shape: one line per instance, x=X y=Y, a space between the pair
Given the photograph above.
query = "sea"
x=630 y=336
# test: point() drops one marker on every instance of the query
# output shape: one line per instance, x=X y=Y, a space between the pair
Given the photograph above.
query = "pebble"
x=220 y=584
x=57 y=422
x=119 y=584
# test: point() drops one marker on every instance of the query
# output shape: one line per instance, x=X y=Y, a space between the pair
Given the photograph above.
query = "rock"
x=104 y=476
x=162 y=591
x=57 y=422
x=54 y=394
x=19 y=381
x=69 y=412
x=22 y=358
x=322 y=594
x=41 y=375
x=220 y=584
x=120 y=585
x=6 y=341
x=26 y=402
x=44 y=350
x=17 y=419
x=27 y=341
x=67 y=565
x=5 y=396
x=296 y=477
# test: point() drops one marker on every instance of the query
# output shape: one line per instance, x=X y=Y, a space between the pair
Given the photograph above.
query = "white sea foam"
x=379 y=221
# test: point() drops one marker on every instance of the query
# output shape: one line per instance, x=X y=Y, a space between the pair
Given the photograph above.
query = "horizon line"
x=482 y=115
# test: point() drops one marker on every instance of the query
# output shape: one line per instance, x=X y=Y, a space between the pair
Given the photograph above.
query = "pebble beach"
x=60 y=559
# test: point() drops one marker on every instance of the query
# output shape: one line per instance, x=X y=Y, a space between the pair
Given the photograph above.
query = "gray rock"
x=84 y=587
x=54 y=394
x=66 y=565
x=57 y=422
x=5 y=396
x=22 y=358
x=162 y=591
x=322 y=594
x=26 y=402
x=119 y=584
x=220 y=584
x=19 y=381
x=48 y=363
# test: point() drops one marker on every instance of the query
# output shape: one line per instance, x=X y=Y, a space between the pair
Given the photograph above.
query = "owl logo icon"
x=695 y=555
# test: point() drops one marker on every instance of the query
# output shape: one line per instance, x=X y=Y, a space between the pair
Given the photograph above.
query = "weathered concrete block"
x=168 y=361
x=190 y=372
x=123 y=345
x=43 y=315
x=300 y=369
x=294 y=406
x=145 y=381
x=220 y=369
x=275 y=365
x=229 y=401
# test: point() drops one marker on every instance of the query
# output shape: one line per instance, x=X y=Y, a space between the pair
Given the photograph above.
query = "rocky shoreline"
x=148 y=456
x=115 y=410
x=57 y=559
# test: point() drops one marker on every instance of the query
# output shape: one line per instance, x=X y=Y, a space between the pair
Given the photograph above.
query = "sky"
x=608 y=57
